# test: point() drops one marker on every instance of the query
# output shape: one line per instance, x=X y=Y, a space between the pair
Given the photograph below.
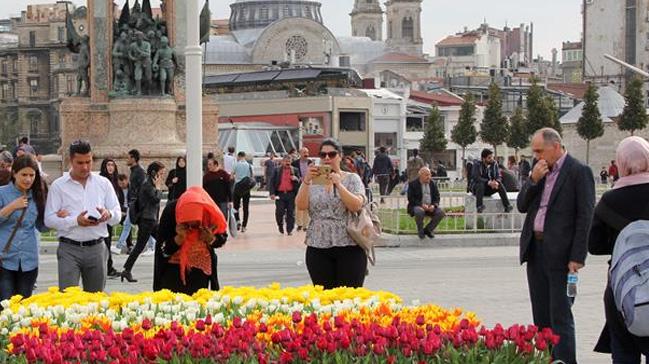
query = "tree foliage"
x=634 y=116
x=434 y=139
x=589 y=125
x=464 y=132
x=541 y=110
x=494 y=128
x=518 y=137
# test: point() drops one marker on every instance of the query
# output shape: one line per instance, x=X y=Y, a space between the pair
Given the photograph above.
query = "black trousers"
x=16 y=282
x=195 y=279
x=551 y=306
x=145 y=230
x=337 y=266
x=482 y=189
x=285 y=206
x=109 y=242
x=384 y=182
x=246 y=205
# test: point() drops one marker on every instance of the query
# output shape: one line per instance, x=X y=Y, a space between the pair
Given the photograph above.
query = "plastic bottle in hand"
x=573 y=278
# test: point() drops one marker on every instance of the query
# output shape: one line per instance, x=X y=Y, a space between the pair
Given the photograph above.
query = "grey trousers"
x=87 y=263
x=435 y=218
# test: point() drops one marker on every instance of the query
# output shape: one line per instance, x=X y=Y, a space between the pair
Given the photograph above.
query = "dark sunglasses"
x=331 y=155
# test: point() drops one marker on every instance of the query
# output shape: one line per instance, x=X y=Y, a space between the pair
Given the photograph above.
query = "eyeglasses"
x=331 y=155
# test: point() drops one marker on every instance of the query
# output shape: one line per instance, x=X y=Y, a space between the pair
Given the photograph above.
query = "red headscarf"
x=196 y=205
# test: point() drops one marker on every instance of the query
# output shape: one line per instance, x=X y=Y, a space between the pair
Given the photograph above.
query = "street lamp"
x=194 y=88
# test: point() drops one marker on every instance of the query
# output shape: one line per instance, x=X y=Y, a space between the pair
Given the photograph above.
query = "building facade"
x=572 y=61
x=35 y=74
x=367 y=19
x=404 y=26
x=475 y=51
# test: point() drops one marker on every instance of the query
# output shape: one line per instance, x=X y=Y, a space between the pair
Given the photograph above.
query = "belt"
x=81 y=243
x=538 y=236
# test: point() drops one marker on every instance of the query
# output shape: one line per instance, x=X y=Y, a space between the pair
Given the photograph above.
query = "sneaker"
x=421 y=234
x=429 y=233
x=148 y=253
x=125 y=251
x=115 y=250
x=508 y=208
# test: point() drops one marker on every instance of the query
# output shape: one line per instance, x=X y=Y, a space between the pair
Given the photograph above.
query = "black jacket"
x=135 y=181
x=616 y=209
x=276 y=179
x=568 y=218
x=178 y=188
x=149 y=201
x=483 y=173
x=218 y=185
x=382 y=165
x=416 y=194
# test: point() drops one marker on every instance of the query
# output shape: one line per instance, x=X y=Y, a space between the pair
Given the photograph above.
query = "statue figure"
x=121 y=61
x=121 y=85
x=164 y=62
x=83 y=66
x=139 y=53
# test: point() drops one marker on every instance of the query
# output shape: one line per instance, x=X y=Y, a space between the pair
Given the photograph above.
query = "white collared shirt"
x=70 y=195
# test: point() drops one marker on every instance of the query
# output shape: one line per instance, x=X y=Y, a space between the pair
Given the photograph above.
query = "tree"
x=634 y=115
x=434 y=139
x=589 y=125
x=464 y=132
x=518 y=137
x=494 y=129
x=541 y=110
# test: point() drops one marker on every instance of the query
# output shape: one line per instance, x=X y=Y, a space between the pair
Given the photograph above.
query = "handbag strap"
x=14 y=231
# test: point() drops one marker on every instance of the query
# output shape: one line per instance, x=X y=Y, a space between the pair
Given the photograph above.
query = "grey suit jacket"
x=568 y=218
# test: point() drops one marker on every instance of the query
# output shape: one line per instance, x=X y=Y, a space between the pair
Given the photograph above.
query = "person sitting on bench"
x=487 y=181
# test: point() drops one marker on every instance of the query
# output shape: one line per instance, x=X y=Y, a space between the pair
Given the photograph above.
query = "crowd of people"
x=562 y=225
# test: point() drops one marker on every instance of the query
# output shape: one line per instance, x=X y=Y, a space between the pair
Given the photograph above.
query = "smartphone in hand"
x=323 y=174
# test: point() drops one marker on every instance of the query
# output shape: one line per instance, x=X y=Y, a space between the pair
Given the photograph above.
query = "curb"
x=449 y=240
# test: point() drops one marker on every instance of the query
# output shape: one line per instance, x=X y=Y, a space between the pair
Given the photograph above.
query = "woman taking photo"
x=148 y=210
x=177 y=179
x=109 y=170
x=628 y=201
x=191 y=228
x=332 y=257
x=22 y=207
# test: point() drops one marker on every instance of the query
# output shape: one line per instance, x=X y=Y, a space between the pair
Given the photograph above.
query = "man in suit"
x=423 y=200
x=559 y=200
x=283 y=188
x=486 y=180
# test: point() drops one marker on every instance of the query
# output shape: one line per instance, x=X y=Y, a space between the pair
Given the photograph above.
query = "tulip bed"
x=248 y=325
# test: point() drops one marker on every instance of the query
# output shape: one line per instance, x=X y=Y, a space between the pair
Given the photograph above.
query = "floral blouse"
x=328 y=226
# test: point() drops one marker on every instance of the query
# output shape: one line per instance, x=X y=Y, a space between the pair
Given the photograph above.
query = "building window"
x=371 y=32
x=5 y=91
x=33 y=86
x=352 y=121
x=307 y=12
x=390 y=29
x=414 y=123
x=32 y=39
x=70 y=85
x=312 y=125
x=344 y=61
x=61 y=59
x=4 y=67
x=447 y=157
x=61 y=34
x=407 y=29
x=33 y=64
x=15 y=65
x=12 y=91
x=263 y=13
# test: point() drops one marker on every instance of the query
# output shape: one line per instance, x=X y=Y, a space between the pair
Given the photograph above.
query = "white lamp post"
x=194 y=102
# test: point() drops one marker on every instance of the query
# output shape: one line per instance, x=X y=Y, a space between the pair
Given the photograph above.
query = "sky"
x=554 y=21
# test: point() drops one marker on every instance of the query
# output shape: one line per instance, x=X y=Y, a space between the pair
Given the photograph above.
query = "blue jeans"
x=121 y=243
x=16 y=282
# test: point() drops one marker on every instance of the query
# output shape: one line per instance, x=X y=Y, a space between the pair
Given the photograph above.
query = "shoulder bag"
x=19 y=222
x=364 y=227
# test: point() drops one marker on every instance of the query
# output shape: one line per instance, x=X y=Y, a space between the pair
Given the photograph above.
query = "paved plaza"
x=487 y=280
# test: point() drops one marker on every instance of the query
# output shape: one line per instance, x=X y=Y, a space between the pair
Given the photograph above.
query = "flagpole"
x=193 y=88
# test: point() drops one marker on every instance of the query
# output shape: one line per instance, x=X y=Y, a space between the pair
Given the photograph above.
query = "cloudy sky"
x=554 y=20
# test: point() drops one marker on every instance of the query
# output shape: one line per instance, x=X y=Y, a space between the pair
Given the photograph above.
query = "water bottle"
x=572 y=284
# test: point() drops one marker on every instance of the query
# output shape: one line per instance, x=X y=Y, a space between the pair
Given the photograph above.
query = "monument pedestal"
x=153 y=125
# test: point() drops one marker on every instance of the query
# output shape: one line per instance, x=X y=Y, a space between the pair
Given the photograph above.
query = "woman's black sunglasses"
x=331 y=155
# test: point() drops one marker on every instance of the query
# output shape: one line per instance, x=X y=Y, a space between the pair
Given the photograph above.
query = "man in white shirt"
x=229 y=160
x=79 y=207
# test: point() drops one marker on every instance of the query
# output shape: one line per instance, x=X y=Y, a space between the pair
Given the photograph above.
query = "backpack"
x=629 y=276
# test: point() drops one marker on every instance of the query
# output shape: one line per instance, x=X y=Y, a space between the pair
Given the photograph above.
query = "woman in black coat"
x=627 y=202
x=108 y=169
x=177 y=179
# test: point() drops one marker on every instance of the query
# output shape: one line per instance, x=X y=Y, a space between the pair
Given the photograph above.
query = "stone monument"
x=134 y=86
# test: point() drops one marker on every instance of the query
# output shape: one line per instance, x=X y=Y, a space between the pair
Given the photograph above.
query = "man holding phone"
x=79 y=206
x=283 y=187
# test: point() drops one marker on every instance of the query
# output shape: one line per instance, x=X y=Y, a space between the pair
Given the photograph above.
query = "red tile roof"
x=437 y=98
x=452 y=40
x=576 y=90
x=396 y=57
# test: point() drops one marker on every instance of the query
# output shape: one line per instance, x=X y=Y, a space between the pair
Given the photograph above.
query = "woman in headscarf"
x=190 y=229
x=628 y=201
x=177 y=179
x=109 y=170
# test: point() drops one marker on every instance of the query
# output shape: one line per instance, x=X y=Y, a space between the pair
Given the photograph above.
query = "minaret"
x=367 y=19
x=404 y=26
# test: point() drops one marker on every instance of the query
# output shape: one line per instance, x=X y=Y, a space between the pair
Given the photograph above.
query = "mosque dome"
x=258 y=14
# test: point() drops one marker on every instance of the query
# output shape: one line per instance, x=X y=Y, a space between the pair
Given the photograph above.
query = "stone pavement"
x=486 y=280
